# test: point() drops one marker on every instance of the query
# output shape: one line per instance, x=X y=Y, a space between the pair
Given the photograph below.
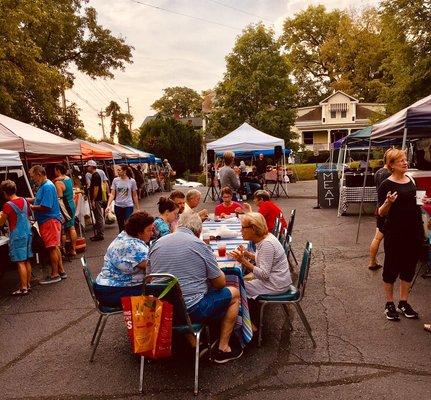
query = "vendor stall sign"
x=328 y=188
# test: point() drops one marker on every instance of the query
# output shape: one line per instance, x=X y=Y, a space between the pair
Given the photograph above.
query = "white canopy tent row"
x=246 y=138
x=10 y=160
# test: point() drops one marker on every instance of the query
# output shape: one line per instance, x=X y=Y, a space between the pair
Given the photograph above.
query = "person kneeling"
x=185 y=256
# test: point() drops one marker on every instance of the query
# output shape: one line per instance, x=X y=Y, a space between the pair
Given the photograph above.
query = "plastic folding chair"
x=154 y=285
x=293 y=295
x=286 y=241
x=276 y=231
x=290 y=230
x=104 y=312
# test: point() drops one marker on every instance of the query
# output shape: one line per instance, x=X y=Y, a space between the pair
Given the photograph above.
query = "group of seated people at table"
x=183 y=254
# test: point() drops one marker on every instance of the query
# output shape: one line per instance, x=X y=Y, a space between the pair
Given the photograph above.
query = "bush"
x=303 y=172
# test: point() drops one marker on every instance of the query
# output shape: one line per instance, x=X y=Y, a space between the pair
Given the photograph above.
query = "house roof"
x=325 y=100
x=313 y=115
x=363 y=112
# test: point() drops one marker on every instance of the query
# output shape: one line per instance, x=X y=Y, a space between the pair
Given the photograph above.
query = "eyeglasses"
x=245 y=227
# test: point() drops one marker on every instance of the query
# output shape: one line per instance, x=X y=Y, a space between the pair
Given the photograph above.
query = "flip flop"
x=427 y=327
x=374 y=267
x=20 y=292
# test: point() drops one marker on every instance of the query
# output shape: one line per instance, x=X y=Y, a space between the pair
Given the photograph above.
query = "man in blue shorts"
x=185 y=256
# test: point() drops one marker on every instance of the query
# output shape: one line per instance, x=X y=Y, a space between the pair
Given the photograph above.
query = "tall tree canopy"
x=162 y=136
x=335 y=51
x=41 y=40
x=256 y=87
x=180 y=102
x=407 y=35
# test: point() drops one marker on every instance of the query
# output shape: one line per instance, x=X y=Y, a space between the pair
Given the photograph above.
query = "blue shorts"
x=213 y=305
x=20 y=248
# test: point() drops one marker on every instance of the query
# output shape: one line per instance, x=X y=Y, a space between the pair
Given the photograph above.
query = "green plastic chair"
x=293 y=295
x=154 y=285
x=104 y=312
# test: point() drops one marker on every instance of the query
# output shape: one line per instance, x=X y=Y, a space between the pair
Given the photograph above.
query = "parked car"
x=181 y=184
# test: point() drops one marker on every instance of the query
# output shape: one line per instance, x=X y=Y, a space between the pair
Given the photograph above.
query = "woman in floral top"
x=125 y=261
x=168 y=213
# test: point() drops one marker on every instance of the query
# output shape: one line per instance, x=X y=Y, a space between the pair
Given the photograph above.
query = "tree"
x=256 y=87
x=335 y=51
x=113 y=110
x=181 y=102
x=41 y=39
x=407 y=39
x=161 y=137
x=125 y=135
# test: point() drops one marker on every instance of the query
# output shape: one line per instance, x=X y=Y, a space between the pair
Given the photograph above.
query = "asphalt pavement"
x=45 y=337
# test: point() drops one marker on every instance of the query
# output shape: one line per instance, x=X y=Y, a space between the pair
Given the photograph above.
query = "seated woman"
x=228 y=206
x=168 y=214
x=271 y=272
x=125 y=261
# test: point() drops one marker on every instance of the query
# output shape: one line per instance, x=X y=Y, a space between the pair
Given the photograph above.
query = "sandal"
x=427 y=327
x=20 y=292
x=374 y=267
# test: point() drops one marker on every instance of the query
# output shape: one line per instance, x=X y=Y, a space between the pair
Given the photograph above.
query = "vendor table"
x=354 y=195
x=233 y=273
x=151 y=185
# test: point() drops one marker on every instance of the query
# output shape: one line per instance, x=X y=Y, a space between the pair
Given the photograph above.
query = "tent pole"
x=285 y=171
x=27 y=181
x=404 y=138
x=342 y=180
x=363 y=190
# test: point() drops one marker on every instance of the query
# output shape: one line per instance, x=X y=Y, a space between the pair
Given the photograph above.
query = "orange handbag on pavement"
x=149 y=324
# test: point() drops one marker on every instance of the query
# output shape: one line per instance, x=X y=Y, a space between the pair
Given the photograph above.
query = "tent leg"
x=341 y=181
x=363 y=190
x=404 y=138
x=27 y=182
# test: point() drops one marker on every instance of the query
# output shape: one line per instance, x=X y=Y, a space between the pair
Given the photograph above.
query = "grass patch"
x=303 y=172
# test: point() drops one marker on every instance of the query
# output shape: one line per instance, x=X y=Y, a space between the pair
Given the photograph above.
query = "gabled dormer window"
x=333 y=114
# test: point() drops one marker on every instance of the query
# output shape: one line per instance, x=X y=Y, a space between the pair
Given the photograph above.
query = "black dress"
x=403 y=231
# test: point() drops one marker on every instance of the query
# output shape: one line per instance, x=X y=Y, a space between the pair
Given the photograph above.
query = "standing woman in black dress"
x=403 y=233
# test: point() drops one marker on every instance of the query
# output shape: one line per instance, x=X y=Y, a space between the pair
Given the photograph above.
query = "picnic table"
x=233 y=272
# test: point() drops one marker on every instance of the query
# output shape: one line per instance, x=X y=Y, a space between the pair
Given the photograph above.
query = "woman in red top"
x=228 y=206
x=267 y=208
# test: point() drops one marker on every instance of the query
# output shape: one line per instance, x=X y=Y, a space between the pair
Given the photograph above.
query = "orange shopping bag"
x=149 y=324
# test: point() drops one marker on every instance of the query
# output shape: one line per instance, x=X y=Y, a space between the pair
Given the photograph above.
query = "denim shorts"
x=213 y=305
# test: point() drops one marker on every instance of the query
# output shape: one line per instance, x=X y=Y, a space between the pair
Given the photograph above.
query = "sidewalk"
x=45 y=337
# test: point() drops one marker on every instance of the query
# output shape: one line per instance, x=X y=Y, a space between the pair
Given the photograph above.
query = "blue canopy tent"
x=144 y=157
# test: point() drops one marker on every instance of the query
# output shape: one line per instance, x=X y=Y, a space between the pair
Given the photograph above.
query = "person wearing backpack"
x=16 y=212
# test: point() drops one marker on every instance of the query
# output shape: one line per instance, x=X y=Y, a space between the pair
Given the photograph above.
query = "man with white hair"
x=202 y=283
x=193 y=198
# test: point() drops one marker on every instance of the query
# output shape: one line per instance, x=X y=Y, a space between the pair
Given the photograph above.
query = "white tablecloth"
x=354 y=195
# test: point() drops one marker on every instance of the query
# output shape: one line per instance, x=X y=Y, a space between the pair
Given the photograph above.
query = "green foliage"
x=170 y=139
x=179 y=101
x=335 y=51
x=256 y=87
x=125 y=135
x=113 y=110
x=40 y=40
x=303 y=172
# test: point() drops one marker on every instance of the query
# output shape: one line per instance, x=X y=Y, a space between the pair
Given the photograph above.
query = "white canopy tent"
x=24 y=138
x=10 y=159
x=245 y=138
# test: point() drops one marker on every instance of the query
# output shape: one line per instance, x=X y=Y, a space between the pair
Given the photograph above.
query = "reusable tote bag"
x=149 y=323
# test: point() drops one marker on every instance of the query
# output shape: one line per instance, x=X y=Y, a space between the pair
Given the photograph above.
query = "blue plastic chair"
x=293 y=295
x=104 y=312
x=154 y=285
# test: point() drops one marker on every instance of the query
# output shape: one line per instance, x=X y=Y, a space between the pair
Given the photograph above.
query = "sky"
x=173 y=49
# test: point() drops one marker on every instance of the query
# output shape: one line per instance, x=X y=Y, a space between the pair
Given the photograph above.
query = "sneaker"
x=63 y=275
x=50 y=279
x=222 y=357
x=406 y=309
x=97 y=238
x=391 y=312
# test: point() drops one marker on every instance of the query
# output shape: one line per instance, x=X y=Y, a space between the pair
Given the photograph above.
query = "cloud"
x=174 y=50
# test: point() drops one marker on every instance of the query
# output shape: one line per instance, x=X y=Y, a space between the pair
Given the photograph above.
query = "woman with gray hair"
x=271 y=272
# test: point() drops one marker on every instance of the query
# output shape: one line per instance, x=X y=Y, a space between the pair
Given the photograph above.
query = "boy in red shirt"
x=228 y=206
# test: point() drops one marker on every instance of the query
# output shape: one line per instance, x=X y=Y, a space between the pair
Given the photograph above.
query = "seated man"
x=267 y=208
x=252 y=181
x=184 y=255
x=193 y=198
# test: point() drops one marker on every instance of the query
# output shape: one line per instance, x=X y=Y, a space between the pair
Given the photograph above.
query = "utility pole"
x=101 y=115
x=130 y=115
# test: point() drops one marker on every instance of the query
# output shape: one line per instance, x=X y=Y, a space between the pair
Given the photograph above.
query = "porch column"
x=329 y=138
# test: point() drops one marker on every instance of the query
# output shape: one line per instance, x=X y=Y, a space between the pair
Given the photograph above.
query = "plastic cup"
x=420 y=194
x=221 y=249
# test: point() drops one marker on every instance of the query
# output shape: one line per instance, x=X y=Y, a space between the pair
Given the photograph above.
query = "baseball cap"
x=90 y=163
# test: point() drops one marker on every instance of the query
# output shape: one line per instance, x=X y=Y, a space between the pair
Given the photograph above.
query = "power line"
x=111 y=90
x=186 y=15
x=103 y=95
x=240 y=10
x=92 y=94
x=84 y=100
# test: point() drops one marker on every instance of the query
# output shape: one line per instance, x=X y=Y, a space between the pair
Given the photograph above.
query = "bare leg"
x=389 y=291
x=404 y=290
x=374 y=247
x=54 y=255
x=73 y=236
x=229 y=319
x=28 y=268
x=22 y=272
x=60 y=260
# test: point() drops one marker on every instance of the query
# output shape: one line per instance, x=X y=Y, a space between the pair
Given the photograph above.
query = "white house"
x=335 y=117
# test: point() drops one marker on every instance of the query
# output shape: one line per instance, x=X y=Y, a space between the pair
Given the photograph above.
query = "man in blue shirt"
x=48 y=216
x=202 y=283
